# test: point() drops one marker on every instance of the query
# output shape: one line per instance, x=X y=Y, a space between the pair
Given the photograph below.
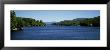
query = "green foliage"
x=80 y=22
x=19 y=22
x=96 y=21
x=13 y=20
x=33 y=22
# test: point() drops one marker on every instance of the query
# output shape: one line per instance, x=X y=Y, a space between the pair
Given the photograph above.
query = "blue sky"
x=57 y=15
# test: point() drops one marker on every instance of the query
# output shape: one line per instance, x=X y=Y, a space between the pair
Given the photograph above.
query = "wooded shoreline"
x=17 y=23
x=80 y=22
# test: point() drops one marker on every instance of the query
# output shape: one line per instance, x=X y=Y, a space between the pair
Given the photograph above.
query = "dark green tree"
x=18 y=22
x=13 y=20
x=80 y=22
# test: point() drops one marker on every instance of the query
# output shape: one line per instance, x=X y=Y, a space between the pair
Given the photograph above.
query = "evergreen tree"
x=18 y=22
x=13 y=20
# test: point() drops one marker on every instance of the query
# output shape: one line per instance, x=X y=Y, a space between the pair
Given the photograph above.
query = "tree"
x=13 y=20
x=96 y=21
x=19 y=22
x=80 y=21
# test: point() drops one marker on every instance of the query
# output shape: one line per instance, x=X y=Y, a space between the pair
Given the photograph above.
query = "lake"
x=53 y=32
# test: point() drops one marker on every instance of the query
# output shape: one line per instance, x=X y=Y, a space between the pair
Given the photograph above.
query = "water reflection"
x=52 y=32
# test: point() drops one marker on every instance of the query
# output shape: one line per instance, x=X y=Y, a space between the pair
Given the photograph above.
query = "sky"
x=57 y=15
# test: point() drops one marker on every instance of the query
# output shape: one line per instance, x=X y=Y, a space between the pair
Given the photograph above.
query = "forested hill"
x=18 y=22
x=80 y=22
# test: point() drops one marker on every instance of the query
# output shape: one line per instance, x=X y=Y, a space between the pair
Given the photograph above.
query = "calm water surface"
x=52 y=32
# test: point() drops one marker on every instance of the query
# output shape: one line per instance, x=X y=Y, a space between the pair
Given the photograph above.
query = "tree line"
x=18 y=22
x=80 y=22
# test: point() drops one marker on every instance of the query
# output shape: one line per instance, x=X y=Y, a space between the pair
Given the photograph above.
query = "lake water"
x=52 y=32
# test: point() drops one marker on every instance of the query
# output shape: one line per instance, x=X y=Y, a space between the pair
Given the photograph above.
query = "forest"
x=80 y=22
x=18 y=22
